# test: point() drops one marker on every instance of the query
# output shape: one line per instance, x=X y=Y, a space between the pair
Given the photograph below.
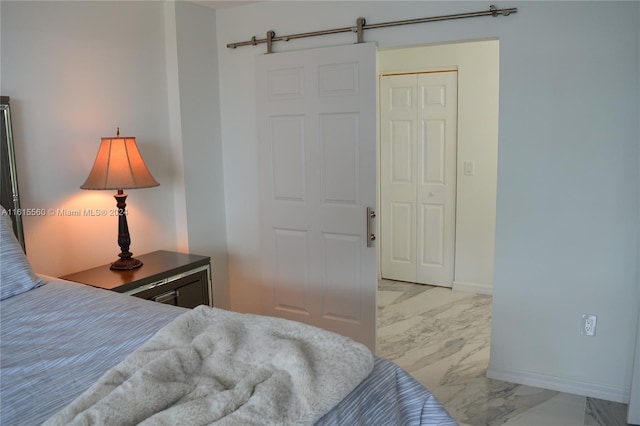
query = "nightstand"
x=166 y=277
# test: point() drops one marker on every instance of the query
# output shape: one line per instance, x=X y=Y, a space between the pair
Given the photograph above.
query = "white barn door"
x=418 y=138
x=317 y=146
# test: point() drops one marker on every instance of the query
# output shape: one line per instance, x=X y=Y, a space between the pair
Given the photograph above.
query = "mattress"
x=58 y=339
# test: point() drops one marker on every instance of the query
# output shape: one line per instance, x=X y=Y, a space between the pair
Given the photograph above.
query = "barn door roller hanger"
x=361 y=25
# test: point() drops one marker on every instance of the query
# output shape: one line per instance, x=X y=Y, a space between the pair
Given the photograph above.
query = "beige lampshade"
x=119 y=165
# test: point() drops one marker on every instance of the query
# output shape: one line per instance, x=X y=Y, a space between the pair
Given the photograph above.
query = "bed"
x=58 y=338
x=64 y=343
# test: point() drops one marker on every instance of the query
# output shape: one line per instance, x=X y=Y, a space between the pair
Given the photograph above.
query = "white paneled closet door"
x=317 y=147
x=418 y=134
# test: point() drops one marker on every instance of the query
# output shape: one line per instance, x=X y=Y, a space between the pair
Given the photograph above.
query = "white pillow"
x=16 y=275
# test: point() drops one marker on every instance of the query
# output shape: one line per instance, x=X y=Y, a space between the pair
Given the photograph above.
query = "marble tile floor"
x=441 y=337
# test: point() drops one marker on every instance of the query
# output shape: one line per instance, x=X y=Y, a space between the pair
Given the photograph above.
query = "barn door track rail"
x=361 y=25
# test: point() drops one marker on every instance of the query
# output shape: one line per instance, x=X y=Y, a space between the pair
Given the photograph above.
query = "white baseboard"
x=608 y=393
x=473 y=287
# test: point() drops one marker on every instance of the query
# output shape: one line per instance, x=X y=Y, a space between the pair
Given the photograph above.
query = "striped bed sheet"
x=58 y=339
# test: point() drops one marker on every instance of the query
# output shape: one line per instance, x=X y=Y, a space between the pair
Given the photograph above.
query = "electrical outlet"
x=588 y=325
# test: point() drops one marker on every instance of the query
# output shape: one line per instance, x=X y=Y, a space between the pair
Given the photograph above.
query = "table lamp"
x=120 y=166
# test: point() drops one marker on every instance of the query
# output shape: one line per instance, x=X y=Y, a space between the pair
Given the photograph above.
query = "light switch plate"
x=469 y=168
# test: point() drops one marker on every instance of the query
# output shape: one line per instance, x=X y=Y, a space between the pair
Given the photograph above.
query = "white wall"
x=567 y=218
x=477 y=142
x=75 y=71
x=199 y=108
x=633 y=410
x=567 y=209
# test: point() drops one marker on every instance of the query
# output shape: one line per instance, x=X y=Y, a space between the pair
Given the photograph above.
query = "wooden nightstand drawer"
x=188 y=291
x=167 y=277
x=189 y=295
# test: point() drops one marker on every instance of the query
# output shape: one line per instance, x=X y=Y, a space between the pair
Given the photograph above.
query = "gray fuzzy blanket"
x=214 y=366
